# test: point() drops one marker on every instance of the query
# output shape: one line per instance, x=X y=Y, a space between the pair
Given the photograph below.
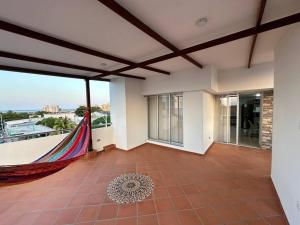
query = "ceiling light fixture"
x=201 y=22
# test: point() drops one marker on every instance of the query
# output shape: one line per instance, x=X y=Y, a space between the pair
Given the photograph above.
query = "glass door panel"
x=163 y=118
x=227 y=106
x=176 y=118
x=249 y=123
x=152 y=117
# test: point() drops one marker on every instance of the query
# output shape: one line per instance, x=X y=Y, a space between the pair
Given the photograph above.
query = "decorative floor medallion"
x=129 y=188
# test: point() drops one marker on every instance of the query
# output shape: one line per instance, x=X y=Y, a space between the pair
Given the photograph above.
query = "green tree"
x=64 y=124
x=96 y=109
x=80 y=110
x=48 y=122
x=39 y=113
x=101 y=121
x=10 y=115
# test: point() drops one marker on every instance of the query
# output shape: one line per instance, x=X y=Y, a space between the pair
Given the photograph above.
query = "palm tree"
x=64 y=124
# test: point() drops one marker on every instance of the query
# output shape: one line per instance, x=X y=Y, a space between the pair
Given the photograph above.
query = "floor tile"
x=146 y=207
x=189 y=217
x=148 y=220
x=181 y=203
x=168 y=218
x=108 y=212
x=163 y=205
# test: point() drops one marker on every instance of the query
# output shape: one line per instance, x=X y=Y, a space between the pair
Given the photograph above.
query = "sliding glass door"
x=152 y=117
x=176 y=118
x=249 y=123
x=165 y=118
x=227 y=106
x=239 y=119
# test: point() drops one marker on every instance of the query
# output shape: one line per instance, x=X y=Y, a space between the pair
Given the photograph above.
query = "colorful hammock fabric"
x=69 y=149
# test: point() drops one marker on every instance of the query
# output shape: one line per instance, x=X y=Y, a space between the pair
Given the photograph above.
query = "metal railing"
x=6 y=139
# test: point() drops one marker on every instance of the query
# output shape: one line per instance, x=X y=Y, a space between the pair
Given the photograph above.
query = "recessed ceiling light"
x=201 y=22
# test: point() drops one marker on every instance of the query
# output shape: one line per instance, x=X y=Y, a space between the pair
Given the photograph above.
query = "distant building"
x=51 y=108
x=69 y=115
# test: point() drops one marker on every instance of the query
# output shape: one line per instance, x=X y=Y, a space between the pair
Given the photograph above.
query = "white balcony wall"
x=102 y=137
x=286 y=124
x=22 y=152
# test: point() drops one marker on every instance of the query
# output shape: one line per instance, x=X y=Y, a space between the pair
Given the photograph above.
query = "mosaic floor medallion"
x=129 y=188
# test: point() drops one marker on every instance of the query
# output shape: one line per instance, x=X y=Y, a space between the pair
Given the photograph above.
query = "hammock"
x=68 y=150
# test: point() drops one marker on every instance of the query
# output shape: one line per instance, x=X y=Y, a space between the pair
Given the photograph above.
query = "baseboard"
x=274 y=188
x=109 y=147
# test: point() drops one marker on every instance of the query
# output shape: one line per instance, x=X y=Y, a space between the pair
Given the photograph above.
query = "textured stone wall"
x=267 y=120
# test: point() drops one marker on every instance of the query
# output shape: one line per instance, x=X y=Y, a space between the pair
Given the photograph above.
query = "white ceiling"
x=89 y=23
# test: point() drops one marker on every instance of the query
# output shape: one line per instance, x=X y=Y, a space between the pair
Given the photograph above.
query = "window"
x=165 y=118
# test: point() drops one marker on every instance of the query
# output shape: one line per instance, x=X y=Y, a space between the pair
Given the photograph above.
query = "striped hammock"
x=69 y=149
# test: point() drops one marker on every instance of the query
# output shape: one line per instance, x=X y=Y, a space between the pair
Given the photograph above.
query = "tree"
x=80 y=110
x=58 y=123
x=39 y=113
x=10 y=115
x=64 y=124
x=48 y=122
x=101 y=121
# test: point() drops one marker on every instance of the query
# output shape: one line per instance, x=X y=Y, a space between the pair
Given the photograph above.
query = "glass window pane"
x=152 y=117
x=163 y=117
x=176 y=118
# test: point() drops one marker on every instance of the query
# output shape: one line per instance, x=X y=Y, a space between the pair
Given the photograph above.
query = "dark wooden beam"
x=125 y=14
x=60 y=64
x=258 y=22
x=49 y=73
x=48 y=62
x=65 y=44
x=285 y=21
x=89 y=109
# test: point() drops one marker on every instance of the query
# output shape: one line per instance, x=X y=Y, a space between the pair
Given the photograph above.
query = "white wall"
x=187 y=80
x=198 y=121
x=136 y=111
x=118 y=111
x=22 y=152
x=129 y=112
x=243 y=79
x=208 y=120
x=102 y=137
x=286 y=124
x=192 y=121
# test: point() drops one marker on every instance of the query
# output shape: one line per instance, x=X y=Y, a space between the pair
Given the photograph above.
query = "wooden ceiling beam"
x=258 y=22
x=125 y=14
x=65 y=44
x=60 y=64
x=285 y=21
x=46 y=72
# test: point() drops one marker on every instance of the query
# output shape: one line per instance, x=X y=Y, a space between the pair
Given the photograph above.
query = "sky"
x=22 y=91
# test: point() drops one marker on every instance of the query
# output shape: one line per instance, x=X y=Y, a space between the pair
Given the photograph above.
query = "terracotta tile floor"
x=229 y=185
